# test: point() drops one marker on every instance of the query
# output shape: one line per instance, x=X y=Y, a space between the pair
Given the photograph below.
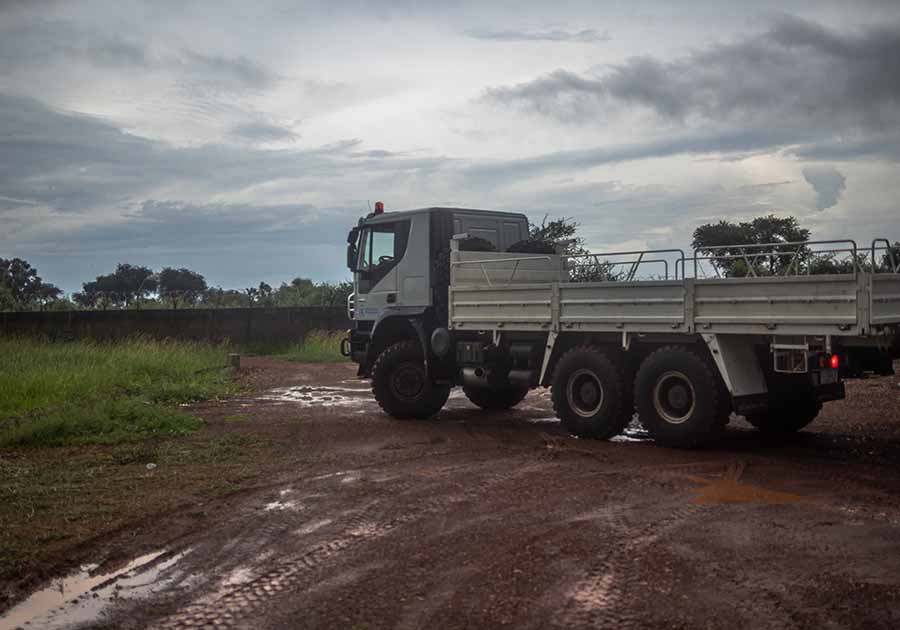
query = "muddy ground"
x=478 y=520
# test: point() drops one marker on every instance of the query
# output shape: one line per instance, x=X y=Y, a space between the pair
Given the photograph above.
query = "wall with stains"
x=240 y=325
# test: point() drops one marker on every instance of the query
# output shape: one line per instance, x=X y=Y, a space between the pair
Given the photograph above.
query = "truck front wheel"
x=588 y=394
x=677 y=396
x=495 y=398
x=401 y=385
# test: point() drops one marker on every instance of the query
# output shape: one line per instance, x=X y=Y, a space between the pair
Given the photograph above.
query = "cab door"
x=382 y=246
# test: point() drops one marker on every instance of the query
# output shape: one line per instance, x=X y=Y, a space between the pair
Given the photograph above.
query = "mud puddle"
x=320 y=396
x=84 y=595
x=634 y=432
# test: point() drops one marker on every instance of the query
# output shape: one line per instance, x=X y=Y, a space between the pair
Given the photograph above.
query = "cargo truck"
x=680 y=346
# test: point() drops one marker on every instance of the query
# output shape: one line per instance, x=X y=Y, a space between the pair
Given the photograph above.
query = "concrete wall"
x=241 y=325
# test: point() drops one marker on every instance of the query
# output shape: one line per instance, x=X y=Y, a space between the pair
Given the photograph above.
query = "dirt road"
x=478 y=520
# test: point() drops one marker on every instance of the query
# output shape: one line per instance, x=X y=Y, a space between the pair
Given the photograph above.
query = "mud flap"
x=738 y=364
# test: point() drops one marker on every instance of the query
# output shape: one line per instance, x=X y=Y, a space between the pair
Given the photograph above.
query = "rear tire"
x=678 y=397
x=789 y=412
x=532 y=247
x=495 y=398
x=589 y=395
x=401 y=386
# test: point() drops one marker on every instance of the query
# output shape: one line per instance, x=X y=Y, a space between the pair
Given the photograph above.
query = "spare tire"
x=532 y=247
x=440 y=272
x=440 y=280
x=476 y=244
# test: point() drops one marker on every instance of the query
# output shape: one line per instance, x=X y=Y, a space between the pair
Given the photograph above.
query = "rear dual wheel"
x=589 y=395
x=679 y=398
x=792 y=406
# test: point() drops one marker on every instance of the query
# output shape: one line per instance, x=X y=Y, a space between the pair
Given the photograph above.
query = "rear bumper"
x=832 y=391
x=759 y=403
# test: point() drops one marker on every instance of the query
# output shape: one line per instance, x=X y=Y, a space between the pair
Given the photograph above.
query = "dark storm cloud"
x=180 y=226
x=796 y=74
x=740 y=141
x=44 y=41
x=585 y=36
x=828 y=183
x=75 y=163
x=883 y=147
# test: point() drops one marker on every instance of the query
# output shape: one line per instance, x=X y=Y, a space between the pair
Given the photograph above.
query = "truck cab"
x=401 y=272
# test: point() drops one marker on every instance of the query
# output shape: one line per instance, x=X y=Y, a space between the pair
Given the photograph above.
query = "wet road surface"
x=487 y=520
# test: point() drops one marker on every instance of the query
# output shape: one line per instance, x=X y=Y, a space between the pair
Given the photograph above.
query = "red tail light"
x=835 y=362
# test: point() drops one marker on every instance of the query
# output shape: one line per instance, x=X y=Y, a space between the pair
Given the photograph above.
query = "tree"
x=335 y=294
x=582 y=266
x=134 y=282
x=126 y=285
x=21 y=287
x=7 y=299
x=100 y=293
x=181 y=285
x=252 y=295
x=265 y=294
x=304 y=292
x=890 y=260
x=560 y=231
x=300 y=292
x=217 y=297
x=726 y=245
x=48 y=294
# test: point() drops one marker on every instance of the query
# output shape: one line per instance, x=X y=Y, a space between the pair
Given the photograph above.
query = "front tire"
x=589 y=396
x=495 y=398
x=401 y=386
x=678 y=398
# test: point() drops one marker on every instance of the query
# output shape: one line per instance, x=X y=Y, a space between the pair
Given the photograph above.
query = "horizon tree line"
x=139 y=287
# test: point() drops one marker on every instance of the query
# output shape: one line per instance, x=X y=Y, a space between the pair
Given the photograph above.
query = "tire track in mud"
x=227 y=609
x=603 y=597
x=600 y=599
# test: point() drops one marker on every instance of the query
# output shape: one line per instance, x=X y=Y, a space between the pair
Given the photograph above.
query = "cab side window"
x=381 y=247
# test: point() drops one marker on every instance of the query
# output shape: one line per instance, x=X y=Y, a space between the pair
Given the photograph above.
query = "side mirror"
x=352 y=251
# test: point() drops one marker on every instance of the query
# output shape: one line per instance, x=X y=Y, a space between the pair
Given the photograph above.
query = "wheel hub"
x=408 y=380
x=673 y=397
x=679 y=397
x=584 y=393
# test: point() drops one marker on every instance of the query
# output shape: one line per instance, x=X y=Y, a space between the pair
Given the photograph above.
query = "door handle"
x=391 y=298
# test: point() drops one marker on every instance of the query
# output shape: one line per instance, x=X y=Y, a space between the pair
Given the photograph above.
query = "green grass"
x=87 y=392
x=319 y=346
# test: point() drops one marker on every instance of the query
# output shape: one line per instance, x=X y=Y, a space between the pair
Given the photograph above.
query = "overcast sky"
x=243 y=139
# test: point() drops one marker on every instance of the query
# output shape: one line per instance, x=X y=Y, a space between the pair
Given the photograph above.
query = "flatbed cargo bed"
x=531 y=292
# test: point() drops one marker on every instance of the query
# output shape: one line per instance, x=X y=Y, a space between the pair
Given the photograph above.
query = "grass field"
x=319 y=346
x=84 y=392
